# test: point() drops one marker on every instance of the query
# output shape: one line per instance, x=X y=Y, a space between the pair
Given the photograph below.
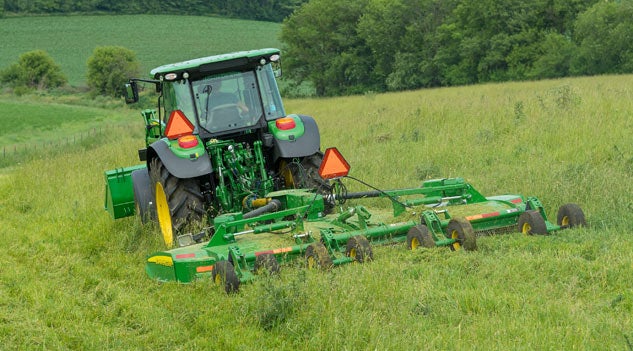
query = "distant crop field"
x=157 y=40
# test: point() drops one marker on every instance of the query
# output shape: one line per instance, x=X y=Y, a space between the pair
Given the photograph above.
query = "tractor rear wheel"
x=224 y=274
x=305 y=175
x=318 y=257
x=531 y=222
x=266 y=263
x=570 y=216
x=462 y=231
x=419 y=236
x=179 y=202
x=359 y=249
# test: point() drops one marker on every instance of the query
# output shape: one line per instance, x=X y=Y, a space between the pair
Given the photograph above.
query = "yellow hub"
x=285 y=172
x=352 y=254
x=415 y=243
x=164 y=216
x=564 y=221
x=526 y=228
x=455 y=236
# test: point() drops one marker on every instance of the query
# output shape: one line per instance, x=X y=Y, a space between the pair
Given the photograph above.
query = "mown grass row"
x=72 y=278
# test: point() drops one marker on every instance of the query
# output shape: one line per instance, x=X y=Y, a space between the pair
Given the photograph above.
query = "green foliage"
x=34 y=70
x=408 y=44
x=109 y=68
x=323 y=47
x=603 y=34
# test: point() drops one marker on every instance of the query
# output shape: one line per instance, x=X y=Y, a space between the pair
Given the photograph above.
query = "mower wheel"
x=359 y=249
x=318 y=257
x=419 y=236
x=266 y=263
x=224 y=274
x=179 y=202
x=461 y=230
x=570 y=216
x=143 y=195
x=531 y=222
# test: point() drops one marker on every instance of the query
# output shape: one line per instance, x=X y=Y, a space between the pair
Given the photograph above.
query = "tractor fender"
x=178 y=167
x=307 y=144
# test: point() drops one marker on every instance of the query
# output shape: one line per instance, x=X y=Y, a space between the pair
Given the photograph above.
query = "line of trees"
x=109 y=68
x=264 y=10
x=379 y=45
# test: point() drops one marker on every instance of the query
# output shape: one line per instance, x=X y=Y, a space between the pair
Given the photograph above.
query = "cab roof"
x=241 y=60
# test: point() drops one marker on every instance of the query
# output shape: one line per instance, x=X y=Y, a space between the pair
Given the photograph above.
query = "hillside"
x=72 y=278
x=157 y=40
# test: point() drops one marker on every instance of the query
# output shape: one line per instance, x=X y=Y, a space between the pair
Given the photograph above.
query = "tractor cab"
x=220 y=95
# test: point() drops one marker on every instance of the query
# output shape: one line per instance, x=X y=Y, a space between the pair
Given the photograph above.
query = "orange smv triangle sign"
x=333 y=164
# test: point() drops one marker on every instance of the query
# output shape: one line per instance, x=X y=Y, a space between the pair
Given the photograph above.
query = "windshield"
x=227 y=102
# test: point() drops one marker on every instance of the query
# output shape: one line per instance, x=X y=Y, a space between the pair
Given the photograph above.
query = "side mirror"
x=131 y=92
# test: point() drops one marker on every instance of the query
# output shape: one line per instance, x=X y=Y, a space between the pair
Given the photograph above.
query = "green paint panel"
x=119 y=200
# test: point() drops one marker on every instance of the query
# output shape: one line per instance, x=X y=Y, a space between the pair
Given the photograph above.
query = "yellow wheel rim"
x=415 y=243
x=218 y=280
x=564 y=221
x=285 y=172
x=352 y=254
x=526 y=228
x=455 y=236
x=164 y=216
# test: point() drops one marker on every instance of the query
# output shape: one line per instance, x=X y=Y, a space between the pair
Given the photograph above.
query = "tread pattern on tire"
x=183 y=196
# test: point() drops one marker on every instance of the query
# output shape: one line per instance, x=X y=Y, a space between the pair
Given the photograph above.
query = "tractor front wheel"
x=462 y=231
x=570 y=216
x=531 y=222
x=179 y=202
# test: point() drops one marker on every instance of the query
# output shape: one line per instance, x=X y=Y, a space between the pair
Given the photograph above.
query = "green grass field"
x=72 y=278
x=157 y=40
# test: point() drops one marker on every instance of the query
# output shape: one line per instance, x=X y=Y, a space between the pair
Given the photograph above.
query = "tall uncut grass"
x=72 y=278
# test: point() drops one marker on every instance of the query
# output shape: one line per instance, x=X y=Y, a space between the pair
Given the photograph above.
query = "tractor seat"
x=224 y=117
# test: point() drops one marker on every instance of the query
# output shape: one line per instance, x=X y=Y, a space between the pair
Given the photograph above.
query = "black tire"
x=224 y=274
x=419 y=236
x=570 y=216
x=183 y=199
x=143 y=195
x=305 y=175
x=317 y=257
x=359 y=249
x=266 y=263
x=461 y=230
x=531 y=222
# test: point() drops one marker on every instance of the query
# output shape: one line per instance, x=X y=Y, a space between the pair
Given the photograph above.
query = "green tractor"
x=238 y=187
x=218 y=142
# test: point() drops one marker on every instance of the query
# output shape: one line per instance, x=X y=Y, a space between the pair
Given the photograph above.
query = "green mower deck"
x=444 y=212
